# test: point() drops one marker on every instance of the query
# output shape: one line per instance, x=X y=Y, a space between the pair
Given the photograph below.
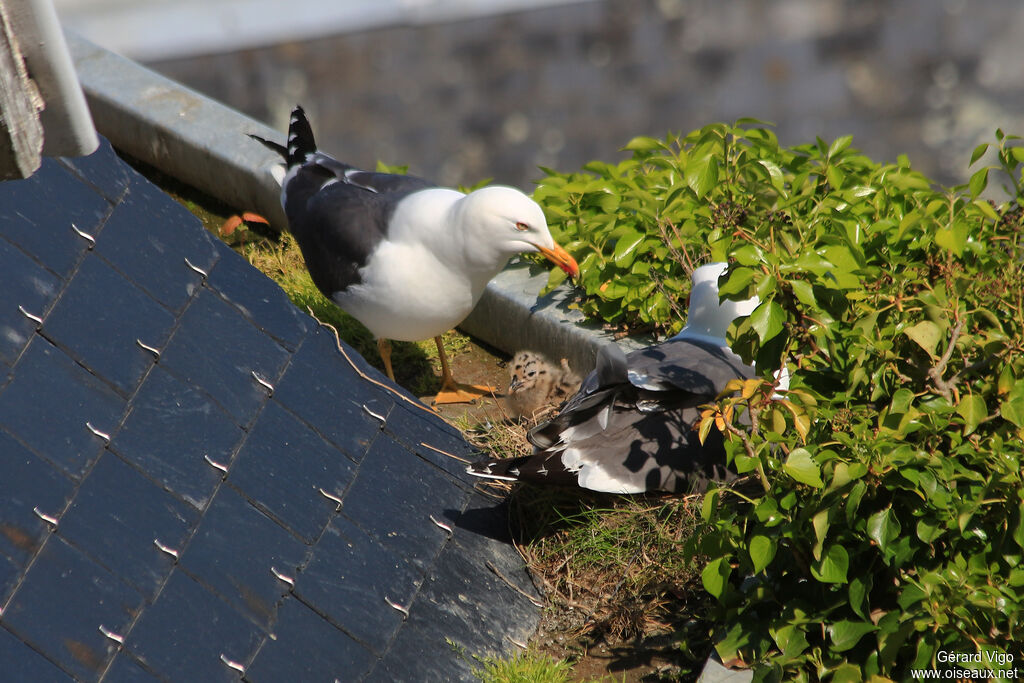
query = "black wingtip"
x=301 y=142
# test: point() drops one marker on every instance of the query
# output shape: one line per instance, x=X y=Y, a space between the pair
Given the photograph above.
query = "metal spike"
x=45 y=517
x=34 y=318
x=146 y=347
x=196 y=268
x=84 y=235
x=440 y=524
x=283 y=578
x=396 y=606
x=215 y=465
x=166 y=549
x=102 y=435
x=329 y=496
x=117 y=638
x=269 y=387
x=231 y=664
x=383 y=420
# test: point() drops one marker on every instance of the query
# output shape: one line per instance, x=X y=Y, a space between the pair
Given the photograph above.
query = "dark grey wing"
x=339 y=214
x=634 y=453
x=640 y=452
x=638 y=433
x=683 y=364
x=337 y=229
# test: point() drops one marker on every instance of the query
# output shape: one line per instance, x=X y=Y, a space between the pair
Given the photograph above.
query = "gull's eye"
x=522 y=227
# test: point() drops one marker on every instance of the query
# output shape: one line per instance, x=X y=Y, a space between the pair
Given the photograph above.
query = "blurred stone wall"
x=498 y=96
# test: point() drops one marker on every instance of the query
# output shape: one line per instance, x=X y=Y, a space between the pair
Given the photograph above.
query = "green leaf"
x=1012 y=408
x=883 y=528
x=790 y=639
x=846 y=634
x=643 y=144
x=973 y=410
x=715 y=576
x=978 y=152
x=820 y=522
x=833 y=565
x=801 y=466
x=839 y=145
x=775 y=174
x=804 y=293
x=953 y=238
x=702 y=175
x=979 y=181
x=927 y=531
x=767 y=319
x=626 y=246
x=737 y=281
x=762 y=552
x=986 y=209
x=926 y=334
x=847 y=673
x=857 y=593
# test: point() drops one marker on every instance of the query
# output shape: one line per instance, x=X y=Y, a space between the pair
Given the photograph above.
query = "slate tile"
x=116 y=517
x=394 y=496
x=37 y=213
x=99 y=318
x=125 y=669
x=9 y=574
x=63 y=600
x=102 y=169
x=414 y=427
x=170 y=429
x=283 y=465
x=57 y=428
x=27 y=284
x=28 y=482
x=322 y=389
x=148 y=237
x=234 y=552
x=464 y=602
x=259 y=298
x=414 y=656
x=22 y=663
x=184 y=634
x=308 y=648
x=217 y=349
x=349 y=580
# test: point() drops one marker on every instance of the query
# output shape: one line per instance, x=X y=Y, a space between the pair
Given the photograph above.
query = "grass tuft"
x=524 y=667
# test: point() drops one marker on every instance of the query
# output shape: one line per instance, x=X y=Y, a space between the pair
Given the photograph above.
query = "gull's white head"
x=500 y=222
x=709 y=318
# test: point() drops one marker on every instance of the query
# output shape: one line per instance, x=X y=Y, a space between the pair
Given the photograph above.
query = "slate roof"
x=194 y=482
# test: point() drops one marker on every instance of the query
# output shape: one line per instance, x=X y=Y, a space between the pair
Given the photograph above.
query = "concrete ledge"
x=184 y=134
x=204 y=144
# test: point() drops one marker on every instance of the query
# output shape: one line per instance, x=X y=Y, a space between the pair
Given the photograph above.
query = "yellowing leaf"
x=926 y=334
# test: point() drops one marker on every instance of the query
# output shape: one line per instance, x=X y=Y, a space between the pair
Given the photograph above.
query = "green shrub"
x=888 y=523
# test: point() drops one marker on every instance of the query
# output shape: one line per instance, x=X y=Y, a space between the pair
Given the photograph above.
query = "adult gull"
x=406 y=258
